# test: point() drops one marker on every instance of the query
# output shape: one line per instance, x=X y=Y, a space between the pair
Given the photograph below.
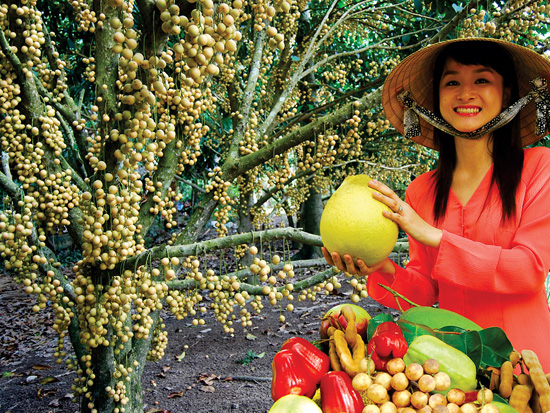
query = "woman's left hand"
x=403 y=215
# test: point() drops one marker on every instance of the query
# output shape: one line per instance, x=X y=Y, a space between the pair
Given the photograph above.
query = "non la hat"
x=415 y=75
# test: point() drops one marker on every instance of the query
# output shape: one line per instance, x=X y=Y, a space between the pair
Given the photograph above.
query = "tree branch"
x=207 y=246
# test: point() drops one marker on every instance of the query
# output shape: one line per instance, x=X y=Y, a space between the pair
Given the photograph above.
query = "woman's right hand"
x=345 y=263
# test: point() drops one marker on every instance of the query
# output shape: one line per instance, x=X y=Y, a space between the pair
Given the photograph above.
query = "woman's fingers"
x=385 y=195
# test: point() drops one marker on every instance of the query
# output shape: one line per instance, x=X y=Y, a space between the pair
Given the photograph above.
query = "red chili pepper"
x=312 y=358
x=387 y=342
x=338 y=394
x=289 y=377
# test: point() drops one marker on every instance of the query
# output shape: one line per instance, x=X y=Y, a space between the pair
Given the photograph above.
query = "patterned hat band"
x=539 y=92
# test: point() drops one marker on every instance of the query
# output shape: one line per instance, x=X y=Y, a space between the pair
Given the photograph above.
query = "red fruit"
x=289 y=377
x=333 y=317
x=314 y=360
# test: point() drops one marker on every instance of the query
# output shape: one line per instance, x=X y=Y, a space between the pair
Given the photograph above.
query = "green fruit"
x=352 y=223
x=437 y=318
x=295 y=404
x=460 y=368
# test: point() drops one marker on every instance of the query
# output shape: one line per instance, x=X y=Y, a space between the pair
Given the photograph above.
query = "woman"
x=479 y=225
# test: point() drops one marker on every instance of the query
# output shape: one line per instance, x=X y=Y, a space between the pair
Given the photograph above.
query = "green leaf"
x=375 y=322
x=250 y=337
x=418 y=6
x=496 y=347
x=487 y=347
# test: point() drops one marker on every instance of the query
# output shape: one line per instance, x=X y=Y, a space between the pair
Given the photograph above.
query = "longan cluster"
x=337 y=73
x=209 y=34
x=415 y=388
x=159 y=342
x=29 y=23
x=15 y=248
x=514 y=22
x=85 y=17
x=110 y=223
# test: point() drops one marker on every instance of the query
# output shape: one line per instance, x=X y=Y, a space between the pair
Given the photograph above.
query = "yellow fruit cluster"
x=525 y=392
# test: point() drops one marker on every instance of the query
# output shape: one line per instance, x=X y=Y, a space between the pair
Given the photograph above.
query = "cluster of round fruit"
x=416 y=388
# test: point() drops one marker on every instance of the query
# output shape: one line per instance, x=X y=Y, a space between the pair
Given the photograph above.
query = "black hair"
x=507 y=151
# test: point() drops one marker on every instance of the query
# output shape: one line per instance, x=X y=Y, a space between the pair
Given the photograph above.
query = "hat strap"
x=539 y=92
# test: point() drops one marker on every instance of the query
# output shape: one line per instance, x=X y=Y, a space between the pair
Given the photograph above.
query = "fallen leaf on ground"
x=176 y=394
x=208 y=389
x=250 y=336
x=47 y=380
x=208 y=379
x=40 y=367
x=41 y=393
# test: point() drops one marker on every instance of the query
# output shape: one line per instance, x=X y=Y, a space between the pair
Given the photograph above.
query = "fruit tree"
x=116 y=114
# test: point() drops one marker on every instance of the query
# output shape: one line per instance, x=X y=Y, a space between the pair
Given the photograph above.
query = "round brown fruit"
x=361 y=382
x=468 y=408
x=419 y=399
x=440 y=409
x=431 y=366
x=426 y=383
x=383 y=379
x=414 y=371
x=395 y=366
x=456 y=396
x=437 y=399
x=442 y=381
x=484 y=396
x=377 y=393
x=401 y=398
x=366 y=365
x=371 y=408
x=399 y=381
x=388 y=407
x=489 y=408
x=453 y=408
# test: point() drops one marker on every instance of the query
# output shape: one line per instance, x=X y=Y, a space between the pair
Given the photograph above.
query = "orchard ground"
x=203 y=370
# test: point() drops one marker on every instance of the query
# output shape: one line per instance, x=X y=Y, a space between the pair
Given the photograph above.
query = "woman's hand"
x=345 y=263
x=406 y=217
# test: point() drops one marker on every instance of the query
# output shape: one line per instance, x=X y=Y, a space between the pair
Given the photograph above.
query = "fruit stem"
x=397 y=295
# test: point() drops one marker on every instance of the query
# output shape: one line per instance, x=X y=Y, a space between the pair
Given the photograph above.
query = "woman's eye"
x=451 y=83
x=482 y=80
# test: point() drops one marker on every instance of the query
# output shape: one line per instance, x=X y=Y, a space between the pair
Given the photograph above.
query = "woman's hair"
x=507 y=147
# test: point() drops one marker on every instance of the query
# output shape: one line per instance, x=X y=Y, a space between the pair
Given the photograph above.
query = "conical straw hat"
x=415 y=74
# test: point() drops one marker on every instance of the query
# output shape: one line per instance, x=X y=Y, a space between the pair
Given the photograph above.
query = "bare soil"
x=203 y=370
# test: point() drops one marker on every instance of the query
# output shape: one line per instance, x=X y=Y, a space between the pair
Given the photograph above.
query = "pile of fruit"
x=364 y=365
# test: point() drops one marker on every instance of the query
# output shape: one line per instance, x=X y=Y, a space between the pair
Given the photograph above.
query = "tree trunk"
x=309 y=221
x=121 y=373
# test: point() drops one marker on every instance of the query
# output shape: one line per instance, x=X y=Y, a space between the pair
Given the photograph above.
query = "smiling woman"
x=478 y=225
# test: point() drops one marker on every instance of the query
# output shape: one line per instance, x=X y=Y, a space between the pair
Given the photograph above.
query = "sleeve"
x=415 y=282
x=520 y=269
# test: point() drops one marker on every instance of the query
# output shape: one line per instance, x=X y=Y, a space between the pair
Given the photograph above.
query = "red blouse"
x=491 y=273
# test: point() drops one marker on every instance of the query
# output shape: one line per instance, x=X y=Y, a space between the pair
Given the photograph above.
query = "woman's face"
x=470 y=95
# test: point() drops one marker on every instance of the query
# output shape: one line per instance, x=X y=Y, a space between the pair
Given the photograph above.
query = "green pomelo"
x=295 y=404
x=437 y=318
x=352 y=223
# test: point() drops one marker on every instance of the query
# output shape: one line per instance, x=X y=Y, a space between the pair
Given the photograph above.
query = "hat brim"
x=415 y=74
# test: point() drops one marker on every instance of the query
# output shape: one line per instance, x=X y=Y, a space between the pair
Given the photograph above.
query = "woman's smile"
x=470 y=95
